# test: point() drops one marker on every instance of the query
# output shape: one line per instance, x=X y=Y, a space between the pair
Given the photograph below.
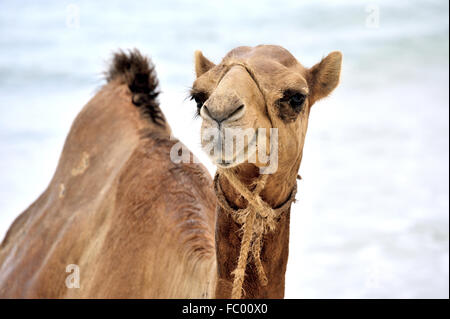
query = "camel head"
x=250 y=93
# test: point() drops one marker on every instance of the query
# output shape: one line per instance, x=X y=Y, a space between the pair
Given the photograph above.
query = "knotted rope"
x=256 y=219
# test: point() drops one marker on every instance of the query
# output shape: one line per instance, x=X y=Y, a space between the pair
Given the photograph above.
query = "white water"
x=372 y=213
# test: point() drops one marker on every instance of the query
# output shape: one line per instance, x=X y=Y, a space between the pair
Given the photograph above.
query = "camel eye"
x=296 y=101
x=291 y=105
x=199 y=98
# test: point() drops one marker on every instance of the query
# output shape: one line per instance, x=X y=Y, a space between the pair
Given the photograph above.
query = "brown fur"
x=138 y=225
x=262 y=79
x=138 y=73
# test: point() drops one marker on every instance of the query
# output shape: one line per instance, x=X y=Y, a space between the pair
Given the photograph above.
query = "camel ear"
x=202 y=64
x=324 y=76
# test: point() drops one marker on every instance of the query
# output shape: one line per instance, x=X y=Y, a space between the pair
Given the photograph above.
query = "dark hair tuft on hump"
x=138 y=72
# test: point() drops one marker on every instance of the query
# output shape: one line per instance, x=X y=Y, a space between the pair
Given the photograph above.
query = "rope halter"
x=257 y=219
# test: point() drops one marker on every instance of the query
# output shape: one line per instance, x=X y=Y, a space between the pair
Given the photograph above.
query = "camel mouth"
x=224 y=164
x=238 y=157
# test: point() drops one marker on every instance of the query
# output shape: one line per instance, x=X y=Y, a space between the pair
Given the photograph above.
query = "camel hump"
x=138 y=73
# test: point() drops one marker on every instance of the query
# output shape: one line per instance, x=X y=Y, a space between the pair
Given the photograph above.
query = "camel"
x=253 y=88
x=138 y=224
x=117 y=207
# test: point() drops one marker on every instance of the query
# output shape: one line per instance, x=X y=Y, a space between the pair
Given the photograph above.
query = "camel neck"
x=275 y=244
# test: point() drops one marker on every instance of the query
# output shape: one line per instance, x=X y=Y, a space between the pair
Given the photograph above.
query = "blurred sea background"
x=372 y=216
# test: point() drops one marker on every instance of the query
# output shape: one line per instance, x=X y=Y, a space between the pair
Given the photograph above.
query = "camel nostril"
x=204 y=110
x=240 y=108
x=236 y=114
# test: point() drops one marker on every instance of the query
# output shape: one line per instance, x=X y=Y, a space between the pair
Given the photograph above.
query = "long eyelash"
x=199 y=96
x=192 y=93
